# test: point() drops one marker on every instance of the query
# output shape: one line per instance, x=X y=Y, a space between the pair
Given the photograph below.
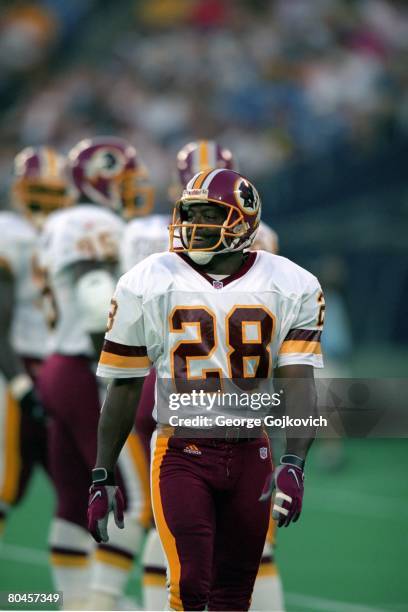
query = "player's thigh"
x=23 y=445
x=69 y=473
x=69 y=390
x=242 y=520
x=184 y=512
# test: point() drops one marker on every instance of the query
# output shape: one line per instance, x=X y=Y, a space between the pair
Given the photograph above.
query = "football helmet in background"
x=40 y=183
x=108 y=171
x=242 y=204
x=266 y=239
x=196 y=157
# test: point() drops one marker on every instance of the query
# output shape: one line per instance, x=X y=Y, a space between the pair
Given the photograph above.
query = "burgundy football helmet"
x=108 y=171
x=225 y=188
x=195 y=157
x=40 y=183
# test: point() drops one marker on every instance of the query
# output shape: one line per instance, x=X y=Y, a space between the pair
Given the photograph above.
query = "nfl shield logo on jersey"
x=217 y=284
x=263 y=452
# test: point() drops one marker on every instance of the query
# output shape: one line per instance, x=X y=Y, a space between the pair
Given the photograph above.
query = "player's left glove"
x=287 y=482
x=23 y=391
x=31 y=405
x=104 y=497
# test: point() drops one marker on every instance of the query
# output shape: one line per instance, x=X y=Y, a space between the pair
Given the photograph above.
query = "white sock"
x=70 y=548
x=113 y=561
x=268 y=593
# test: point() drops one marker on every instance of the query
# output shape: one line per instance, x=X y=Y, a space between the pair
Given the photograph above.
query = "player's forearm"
x=117 y=419
x=300 y=404
x=300 y=401
x=10 y=363
x=97 y=341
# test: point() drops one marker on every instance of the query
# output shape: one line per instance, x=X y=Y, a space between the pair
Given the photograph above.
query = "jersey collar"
x=246 y=266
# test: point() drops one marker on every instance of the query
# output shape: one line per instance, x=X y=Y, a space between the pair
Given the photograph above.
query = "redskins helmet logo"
x=247 y=197
x=105 y=163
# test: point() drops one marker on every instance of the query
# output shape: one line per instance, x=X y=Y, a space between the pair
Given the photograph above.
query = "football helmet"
x=198 y=156
x=40 y=183
x=108 y=171
x=242 y=205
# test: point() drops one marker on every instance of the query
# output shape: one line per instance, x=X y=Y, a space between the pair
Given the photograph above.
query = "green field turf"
x=348 y=553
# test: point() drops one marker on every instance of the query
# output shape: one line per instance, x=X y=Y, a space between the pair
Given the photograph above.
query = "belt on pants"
x=227 y=434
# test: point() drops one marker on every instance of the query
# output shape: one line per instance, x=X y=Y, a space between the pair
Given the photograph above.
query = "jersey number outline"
x=247 y=357
x=47 y=301
x=322 y=309
x=100 y=245
x=112 y=314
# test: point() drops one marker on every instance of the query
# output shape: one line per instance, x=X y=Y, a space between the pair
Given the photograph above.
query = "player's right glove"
x=287 y=482
x=104 y=497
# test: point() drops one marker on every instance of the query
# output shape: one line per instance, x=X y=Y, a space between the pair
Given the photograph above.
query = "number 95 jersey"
x=82 y=233
x=167 y=312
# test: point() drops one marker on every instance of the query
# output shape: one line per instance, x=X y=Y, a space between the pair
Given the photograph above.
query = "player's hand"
x=104 y=498
x=23 y=391
x=287 y=482
x=31 y=405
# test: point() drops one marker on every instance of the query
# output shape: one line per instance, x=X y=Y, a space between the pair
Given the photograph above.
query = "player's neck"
x=225 y=264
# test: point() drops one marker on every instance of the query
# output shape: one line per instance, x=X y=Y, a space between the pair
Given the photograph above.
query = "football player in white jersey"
x=143 y=237
x=210 y=310
x=40 y=186
x=80 y=252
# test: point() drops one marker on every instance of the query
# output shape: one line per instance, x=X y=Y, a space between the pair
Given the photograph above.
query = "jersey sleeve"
x=301 y=345
x=9 y=256
x=124 y=352
x=10 y=246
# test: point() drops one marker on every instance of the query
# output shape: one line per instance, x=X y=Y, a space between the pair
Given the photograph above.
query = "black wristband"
x=293 y=460
x=101 y=476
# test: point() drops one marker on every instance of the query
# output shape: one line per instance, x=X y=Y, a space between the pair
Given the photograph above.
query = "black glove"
x=31 y=405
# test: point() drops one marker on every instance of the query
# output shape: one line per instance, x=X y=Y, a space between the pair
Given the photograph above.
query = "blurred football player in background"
x=80 y=252
x=143 y=237
x=40 y=186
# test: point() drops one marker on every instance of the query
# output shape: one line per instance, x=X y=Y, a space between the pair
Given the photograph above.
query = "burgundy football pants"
x=69 y=390
x=212 y=526
x=25 y=444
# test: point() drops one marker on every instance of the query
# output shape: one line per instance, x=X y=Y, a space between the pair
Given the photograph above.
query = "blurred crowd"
x=275 y=80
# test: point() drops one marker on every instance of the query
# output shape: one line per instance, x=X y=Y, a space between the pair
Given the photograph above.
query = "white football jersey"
x=168 y=313
x=143 y=237
x=18 y=247
x=82 y=233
